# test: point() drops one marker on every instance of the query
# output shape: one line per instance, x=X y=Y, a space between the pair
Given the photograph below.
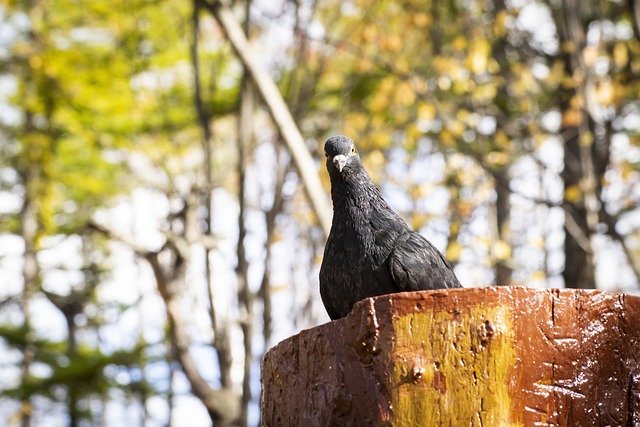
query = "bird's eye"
x=326 y=155
x=353 y=150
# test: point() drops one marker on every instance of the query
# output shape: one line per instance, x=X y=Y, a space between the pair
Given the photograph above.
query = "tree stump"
x=500 y=356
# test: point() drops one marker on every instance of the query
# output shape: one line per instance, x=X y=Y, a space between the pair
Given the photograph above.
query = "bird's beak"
x=340 y=160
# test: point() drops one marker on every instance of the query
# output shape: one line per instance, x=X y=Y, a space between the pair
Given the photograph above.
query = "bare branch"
x=576 y=231
x=222 y=405
x=278 y=110
x=632 y=260
x=245 y=295
x=221 y=334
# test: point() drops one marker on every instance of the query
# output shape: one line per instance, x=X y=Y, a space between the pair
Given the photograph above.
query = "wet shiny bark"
x=463 y=357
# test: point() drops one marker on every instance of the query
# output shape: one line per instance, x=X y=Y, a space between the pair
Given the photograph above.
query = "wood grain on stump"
x=500 y=356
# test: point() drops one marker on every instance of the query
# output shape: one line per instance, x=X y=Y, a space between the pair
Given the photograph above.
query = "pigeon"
x=370 y=250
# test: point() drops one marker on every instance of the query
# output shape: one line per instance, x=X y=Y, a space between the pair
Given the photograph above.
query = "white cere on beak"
x=340 y=160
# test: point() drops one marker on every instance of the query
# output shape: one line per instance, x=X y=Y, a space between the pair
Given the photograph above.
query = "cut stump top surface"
x=475 y=356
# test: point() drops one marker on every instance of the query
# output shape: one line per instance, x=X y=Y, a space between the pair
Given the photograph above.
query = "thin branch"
x=279 y=111
x=245 y=296
x=270 y=219
x=576 y=231
x=632 y=260
x=221 y=335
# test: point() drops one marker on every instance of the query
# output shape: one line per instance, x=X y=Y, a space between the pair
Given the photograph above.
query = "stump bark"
x=500 y=356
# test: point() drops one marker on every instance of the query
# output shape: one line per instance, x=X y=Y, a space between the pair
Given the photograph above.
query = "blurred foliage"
x=480 y=121
x=484 y=80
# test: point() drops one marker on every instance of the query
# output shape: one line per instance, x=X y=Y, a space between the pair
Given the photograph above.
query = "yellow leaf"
x=501 y=250
x=422 y=19
x=525 y=104
x=499 y=25
x=405 y=95
x=379 y=102
x=538 y=276
x=590 y=54
x=572 y=194
x=35 y=62
x=568 y=82
x=333 y=79
x=620 y=55
x=379 y=140
x=626 y=170
x=605 y=93
x=485 y=93
x=419 y=219
x=479 y=56
x=369 y=32
x=419 y=84
x=456 y=127
x=426 y=112
x=411 y=134
x=576 y=102
x=402 y=64
x=539 y=139
x=571 y=117
x=496 y=158
x=463 y=115
x=454 y=228
x=465 y=208
x=586 y=139
x=364 y=65
x=556 y=73
x=501 y=139
x=392 y=43
x=425 y=189
x=568 y=46
x=446 y=138
x=459 y=43
x=464 y=86
x=453 y=251
x=375 y=159
x=356 y=121
x=493 y=66
x=387 y=85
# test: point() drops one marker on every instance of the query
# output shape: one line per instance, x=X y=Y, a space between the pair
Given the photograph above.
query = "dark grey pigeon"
x=371 y=250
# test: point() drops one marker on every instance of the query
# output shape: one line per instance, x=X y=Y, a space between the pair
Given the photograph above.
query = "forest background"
x=164 y=203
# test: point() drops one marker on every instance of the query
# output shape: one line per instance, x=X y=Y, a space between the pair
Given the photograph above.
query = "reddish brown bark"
x=515 y=355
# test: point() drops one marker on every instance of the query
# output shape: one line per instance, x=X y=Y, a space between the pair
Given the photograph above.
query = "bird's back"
x=415 y=265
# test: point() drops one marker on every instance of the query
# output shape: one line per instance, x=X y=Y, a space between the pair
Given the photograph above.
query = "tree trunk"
x=221 y=333
x=245 y=295
x=580 y=199
x=472 y=357
x=503 y=270
x=30 y=273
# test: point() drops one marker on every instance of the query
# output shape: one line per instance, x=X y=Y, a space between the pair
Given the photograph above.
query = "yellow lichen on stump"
x=451 y=368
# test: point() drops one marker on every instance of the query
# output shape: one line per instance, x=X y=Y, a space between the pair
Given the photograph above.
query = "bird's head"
x=341 y=154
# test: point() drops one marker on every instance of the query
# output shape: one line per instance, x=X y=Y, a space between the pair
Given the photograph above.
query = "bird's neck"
x=363 y=222
x=354 y=189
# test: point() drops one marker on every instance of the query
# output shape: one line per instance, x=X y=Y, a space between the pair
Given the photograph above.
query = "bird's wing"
x=416 y=264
